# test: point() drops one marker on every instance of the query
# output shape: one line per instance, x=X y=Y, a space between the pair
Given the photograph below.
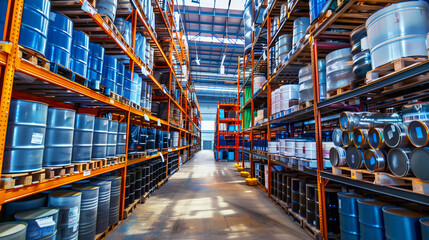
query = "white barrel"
x=299 y=148
x=273 y=147
x=288 y=92
x=258 y=82
x=326 y=146
x=310 y=151
x=289 y=147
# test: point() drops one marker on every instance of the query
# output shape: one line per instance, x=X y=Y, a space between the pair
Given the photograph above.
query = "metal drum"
x=395 y=135
x=79 y=53
x=34 y=25
x=339 y=66
x=248 y=20
x=337 y=156
x=376 y=138
x=375 y=160
x=371 y=219
x=112 y=138
x=306 y=82
x=120 y=70
x=401 y=223
x=354 y=158
x=360 y=138
x=310 y=203
x=367 y=120
x=332 y=215
x=59 y=137
x=337 y=137
x=41 y=222
x=295 y=182
x=347 y=139
x=68 y=219
x=99 y=146
x=83 y=137
x=360 y=51
x=398 y=160
x=133 y=95
x=32 y=202
x=302 y=198
x=59 y=43
x=25 y=138
x=356 y=39
x=13 y=230
x=95 y=65
x=124 y=27
x=103 y=208
x=424 y=224
x=405 y=38
x=122 y=139
x=3 y=12
x=349 y=215
x=300 y=26
x=316 y=7
x=88 y=211
x=283 y=11
x=109 y=72
x=115 y=194
x=418 y=133
x=419 y=163
x=127 y=84
x=285 y=45
x=107 y=7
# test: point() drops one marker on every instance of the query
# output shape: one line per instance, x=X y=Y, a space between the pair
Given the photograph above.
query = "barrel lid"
x=347 y=138
x=419 y=163
x=84 y=188
x=397 y=160
x=403 y=212
x=9 y=228
x=418 y=133
x=375 y=137
x=64 y=194
x=109 y=178
x=360 y=137
x=37 y=213
x=391 y=134
x=373 y=202
x=350 y=195
x=425 y=221
x=354 y=157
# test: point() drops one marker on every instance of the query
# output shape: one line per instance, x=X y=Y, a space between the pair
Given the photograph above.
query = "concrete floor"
x=208 y=200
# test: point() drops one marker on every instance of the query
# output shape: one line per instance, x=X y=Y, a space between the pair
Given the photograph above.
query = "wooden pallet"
x=57 y=172
x=296 y=217
x=81 y=80
x=130 y=208
x=338 y=91
x=125 y=100
x=115 y=96
x=280 y=203
x=305 y=104
x=392 y=67
x=15 y=180
x=135 y=105
x=34 y=57
x=311 y=230
x=115 y=160
x=62 y=71
x=104 y=234
x=137 y=155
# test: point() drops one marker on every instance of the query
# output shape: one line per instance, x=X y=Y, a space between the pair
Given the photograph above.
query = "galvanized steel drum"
x=418 y=133
x=395 y=135
x=337 y=137
x=376 y=138
x=347 y=139
x=398 y=160
x=32 y=202
x=120 y=71
x=58 y=47
x=34 y=25
x=360 y=51
x=103 y=205
x=95 y=65
x=360 y=138
x=424 y=224
x=25 y=138
x=401 y=223
x=419 y=163
x=337 y=156
x=88 y=211
x=400 y=30
x=300 y=26
x=115 y=194
x=354 y=158
x=83 y=137
x=107 y=7
x=41 y=222
x=112 y=138
x=285 y=45
x=59 y=137
x=371 y=219
x=349 y=215
x=79 y=53
x=375 y=160
x=109 y=72
x=68 y=219
x=339 y=66
x=99 y=145
x=13 y=230
x=122 y=139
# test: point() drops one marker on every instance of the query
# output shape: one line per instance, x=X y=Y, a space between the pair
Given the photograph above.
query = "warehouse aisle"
x=207 y=200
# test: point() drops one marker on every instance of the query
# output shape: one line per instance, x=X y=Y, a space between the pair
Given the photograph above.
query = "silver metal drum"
x=418 y=133
x=107 y=7
x=69 y=204
x=112 y=138
x=367 y=120
x=59 y=137
x=13 y=230
x=419 y=163
x=398 y=160
x=398 y=30
x=103 y=205
x=42 y=222
x=25 y=138
x=88 y=211
x=99 y=146
x=337 y=137
x=115 y=194
x=347 y=139
x=360 y=138
x=395 y=135
x=32 y=202
x=122 y=139
x=82 y=138
x=376 y=138
x=300 y=26
x=375 y=160
x=337 y=156
x=284 y=46
x=339 y=65
x=354 y=158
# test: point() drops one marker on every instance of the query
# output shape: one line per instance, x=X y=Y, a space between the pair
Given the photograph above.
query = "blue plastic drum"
x=349 y=215
x=127 y=84
x=42 y=222
x=58 y=47
x=79 y=53
x=112 y=138
x=95 y=65
x=401 y=223
x=316 y=7
x=107 y=7
x=68 y=219
x=99 y=146
x=83 y=137
x=120 y=71
x=124 y=27
x=371 y=219
x=109 y=72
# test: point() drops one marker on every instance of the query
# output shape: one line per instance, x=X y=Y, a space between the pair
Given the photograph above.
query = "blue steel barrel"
x=59 y=43
x=316 y=7
x=424 y=224
x=400 y=30
x=339 y=69
x=79 y=53
x=107 y=7
x=127 y=84
x=115 y=194
x=48 y=218
x=112 y=138
x=122 y=139
x=34 y=25
x=109 y=72
x=401 y=223
x=120 y=70
x=284 y=45
x=99 y=144
x=88 y=211
x=82 y=138
x=68 y=219
x=134 y=85
x=371 y=219
x=124 y=27
x=25 y=138
x=349 y=215
x=32 y=202
x=95 y=65
x=103 y=205
x=300 y=26
x=59 y=137
x=3 y=11
x=13 y=230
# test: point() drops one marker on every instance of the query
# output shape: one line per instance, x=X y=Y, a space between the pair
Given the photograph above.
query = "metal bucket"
x=59 y=43
x=107 y=7
x=127 y=84
x=398 y=160
x=375 y=160
x=32 y=202
x=401 y=223
x=115 y=194
x=68 y=219
x=339 y=66
x=371 y=219
x=34 y=25
x=13 y=230
x=419 y=163
x=418 y=133
x=349 y=215
x=337 y=137
x=122 y=139
x=59 y=137
x=376 y=138
x=337 y=156
x=79 y=53
x=395 y=135
x=310 y=203
x=41 y=222
x=354 y=158
x=103 y=205
x=25 y=138
x=88 y=211
x=405 y=38
x=120 y=78
x=95 y=65
x=83 y=137
x=424 y=224
x=300 y=26
x=360 y=138
x=99 y=145
x=112 y=138
x=347 y=139
x=109 y=72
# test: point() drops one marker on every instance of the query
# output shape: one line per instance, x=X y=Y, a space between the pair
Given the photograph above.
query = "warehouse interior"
x=214 y=119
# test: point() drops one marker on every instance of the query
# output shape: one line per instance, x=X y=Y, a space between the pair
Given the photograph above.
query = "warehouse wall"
x=208 y=108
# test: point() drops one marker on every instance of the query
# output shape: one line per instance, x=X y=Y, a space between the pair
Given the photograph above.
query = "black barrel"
x=115 y=195
x=295 y=194
x=332 y=214
x=88 y=211
x=310 y=204
x=274 y=184
x=302 y=198
x=127 y=191
x=103 y=205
